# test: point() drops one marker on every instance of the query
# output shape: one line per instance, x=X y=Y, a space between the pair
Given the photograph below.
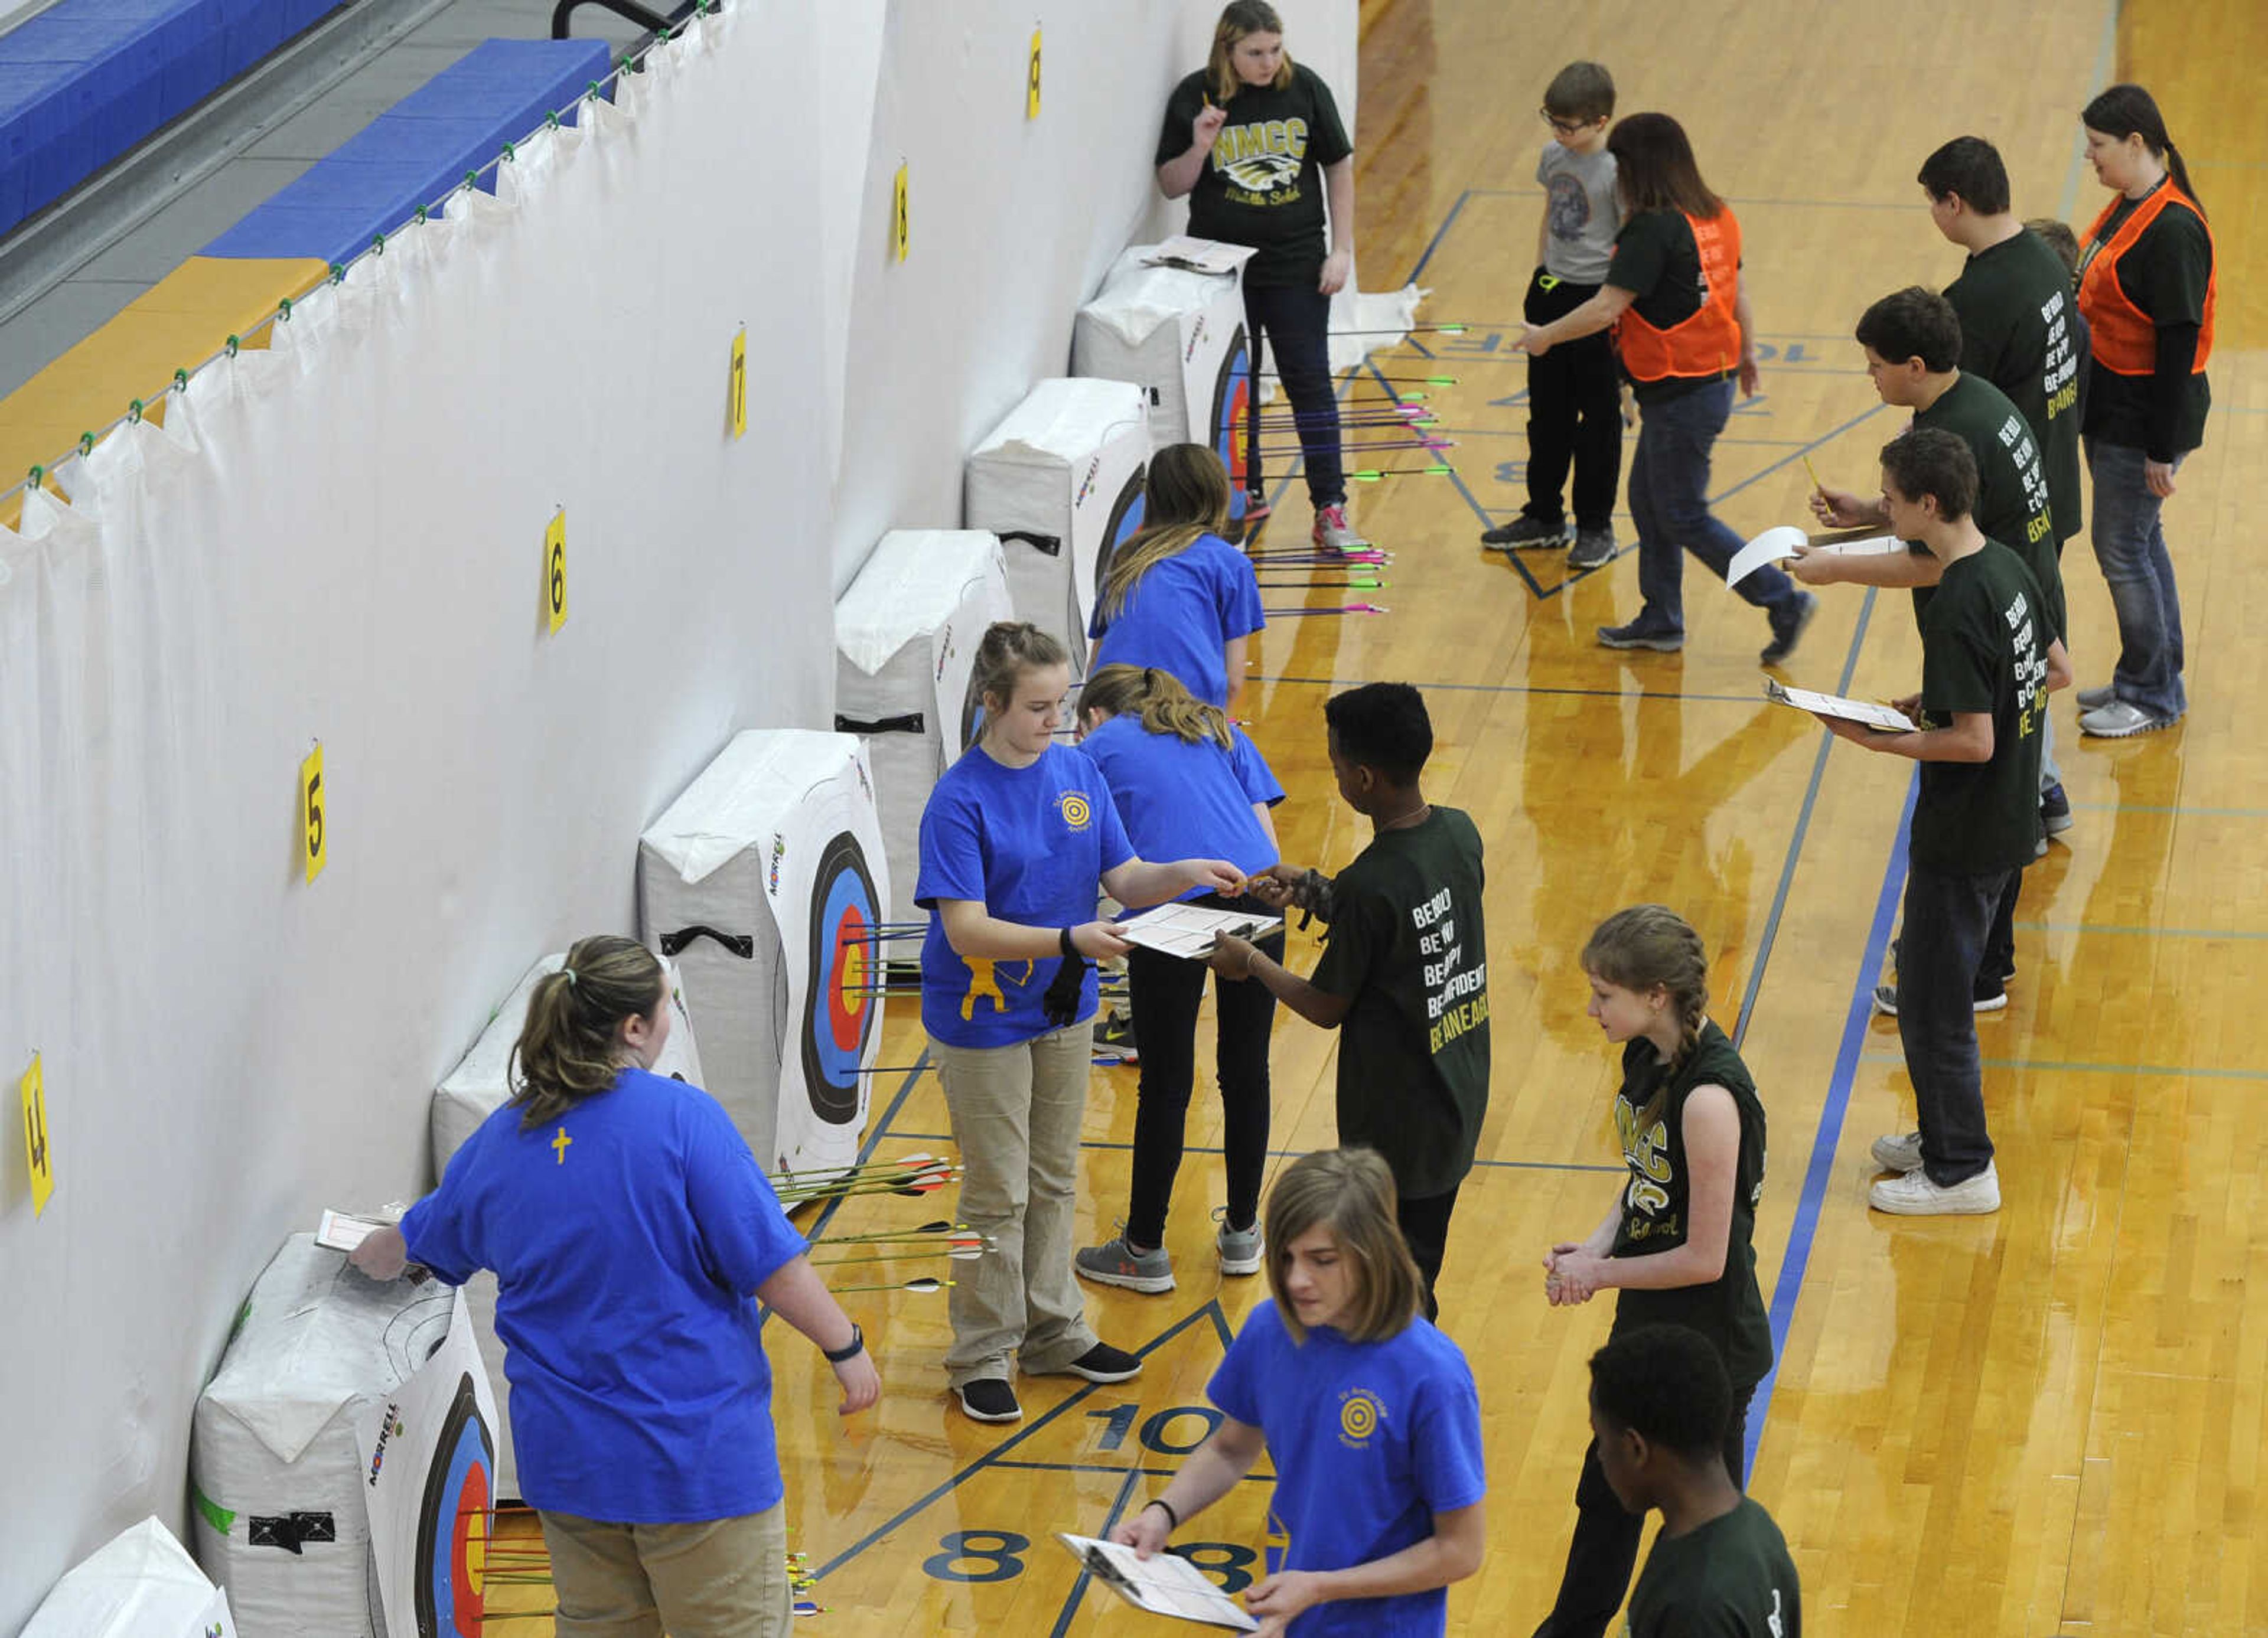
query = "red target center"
x=848 y=983
x=468 y=1552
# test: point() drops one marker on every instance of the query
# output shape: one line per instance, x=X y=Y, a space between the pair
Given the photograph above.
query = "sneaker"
x=1788 y=631
x=1256 y=514
x=1914 y=1195
x=2119 y=720
x=1642 y=633
x=1593 y=549
x=1333 y=533
x=1241 y=1249
x=1523 y=533
x=1886 y=1000
x=2055 y=809
x=1899 y=1152
x=1103 y=1363
x=1114 y=1262
x=989 y=1398
x=1114 y=1036
x=2095 y=699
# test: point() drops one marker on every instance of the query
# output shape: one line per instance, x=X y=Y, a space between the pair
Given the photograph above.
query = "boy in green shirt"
x=1989 y=661
x=1405 y=967
x=1719 y=1568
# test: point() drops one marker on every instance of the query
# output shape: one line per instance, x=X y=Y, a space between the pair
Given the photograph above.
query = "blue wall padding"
x=420 y=148
x=84 y=81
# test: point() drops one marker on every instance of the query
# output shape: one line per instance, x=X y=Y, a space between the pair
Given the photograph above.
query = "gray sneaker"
x=2095 y=699
x=1241 y=1250
x=1114 y=1262
x=1899 y=1152
x=1333 y=533
x=2121 y=719
x=1593 y=549
x=1524 y=533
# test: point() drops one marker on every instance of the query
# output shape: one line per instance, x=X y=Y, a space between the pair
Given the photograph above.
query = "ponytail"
x=2181 y=175
x=569 y=1048
x=1158 y=701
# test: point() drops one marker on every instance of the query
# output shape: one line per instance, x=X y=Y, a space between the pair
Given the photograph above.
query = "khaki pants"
x=721 y=1578
x=1016 y=1112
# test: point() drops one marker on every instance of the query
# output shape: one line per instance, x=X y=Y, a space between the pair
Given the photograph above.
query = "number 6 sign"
x=555 y=570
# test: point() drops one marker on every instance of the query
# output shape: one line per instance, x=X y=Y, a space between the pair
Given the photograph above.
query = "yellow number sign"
x=35 y=1136
x=898 y=231
x=737 y=395
x=1031 y=81
x=555 y=570
x=314 y=832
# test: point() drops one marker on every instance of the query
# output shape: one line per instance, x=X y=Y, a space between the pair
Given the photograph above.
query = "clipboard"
x=1163 y=1584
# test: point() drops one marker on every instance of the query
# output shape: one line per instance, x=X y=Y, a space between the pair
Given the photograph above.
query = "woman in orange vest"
x=2146 y=286
x=1674 y=298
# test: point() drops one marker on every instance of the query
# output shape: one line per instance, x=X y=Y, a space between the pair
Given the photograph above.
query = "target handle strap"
x=741 y=945
x=1049 y=544
x=911 y=722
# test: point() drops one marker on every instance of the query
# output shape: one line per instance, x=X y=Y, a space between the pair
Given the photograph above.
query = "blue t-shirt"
x=1178 y=615
x=627 y=1236
x=1031 y=844
x=1184 y=801
x=1370 y=1440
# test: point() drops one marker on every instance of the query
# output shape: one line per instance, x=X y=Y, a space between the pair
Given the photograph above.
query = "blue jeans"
x=1949 y=926
x=1296 y=320
x=1669 y=502
x=2130 y=544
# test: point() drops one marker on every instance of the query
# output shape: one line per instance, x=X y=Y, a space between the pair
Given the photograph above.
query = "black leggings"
x=1163 y=993
x=1604 y=1550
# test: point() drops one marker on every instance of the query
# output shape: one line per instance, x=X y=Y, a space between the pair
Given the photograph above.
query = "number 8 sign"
x=555 y=570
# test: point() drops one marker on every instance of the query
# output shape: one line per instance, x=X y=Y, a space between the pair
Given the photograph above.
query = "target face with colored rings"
x=1232 y=410
x=453 y=1524
x=841 y=1009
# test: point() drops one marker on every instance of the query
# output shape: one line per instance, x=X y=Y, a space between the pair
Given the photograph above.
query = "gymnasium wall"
x=340 y=539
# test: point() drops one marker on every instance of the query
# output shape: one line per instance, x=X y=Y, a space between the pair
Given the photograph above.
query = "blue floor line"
x=1820 y=1168
x=1516 y=687
x=1107 y=1467
x=1440 y=233
x=1078 y=1595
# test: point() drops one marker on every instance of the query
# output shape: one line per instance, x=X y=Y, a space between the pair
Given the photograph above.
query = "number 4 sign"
x=41 y=1164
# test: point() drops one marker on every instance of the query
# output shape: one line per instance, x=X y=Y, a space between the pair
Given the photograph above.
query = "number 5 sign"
x=314 y=837
x=555 y=570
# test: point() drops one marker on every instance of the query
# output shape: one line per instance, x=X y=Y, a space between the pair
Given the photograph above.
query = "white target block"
x=481 y=1084
x=766 y=881
x=906 y=635
x=1178 y=335
x=278 y=1486
x=1060 y=483
x=140 y=1583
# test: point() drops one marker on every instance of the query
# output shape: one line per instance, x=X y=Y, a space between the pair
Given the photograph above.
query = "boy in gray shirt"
x=1574 y=400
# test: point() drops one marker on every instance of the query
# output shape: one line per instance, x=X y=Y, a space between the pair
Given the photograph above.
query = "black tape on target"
x=453 y=1524
x=1232 y=414
x=840 y=1009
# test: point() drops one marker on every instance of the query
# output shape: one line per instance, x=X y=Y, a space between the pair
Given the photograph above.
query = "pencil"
x=1813 y=471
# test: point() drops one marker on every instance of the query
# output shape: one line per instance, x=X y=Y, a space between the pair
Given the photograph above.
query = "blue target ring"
x=453 y=1524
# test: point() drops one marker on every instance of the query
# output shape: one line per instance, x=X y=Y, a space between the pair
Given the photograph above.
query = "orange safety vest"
x=1709 y=342
x=2124 y=338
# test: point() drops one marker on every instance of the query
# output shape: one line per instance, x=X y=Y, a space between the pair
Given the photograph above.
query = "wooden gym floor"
x=2045 y=1422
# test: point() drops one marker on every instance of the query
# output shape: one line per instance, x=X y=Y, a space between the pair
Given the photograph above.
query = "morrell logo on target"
x=1359 y=1413
x=779 y=852
x=1077 y=814
x=387 y=1429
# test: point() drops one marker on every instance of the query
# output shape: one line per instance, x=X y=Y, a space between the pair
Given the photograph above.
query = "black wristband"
x=849 y=1350
x=1064 y=939
x=1173 y=1519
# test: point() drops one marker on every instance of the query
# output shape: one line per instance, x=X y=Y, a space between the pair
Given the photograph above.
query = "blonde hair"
x=1238 y=19
x=569 y=1048
x=1350 y=1193
x=1160 y=702
x=1185 y=496
x=1651 y=944
x=1009 y=649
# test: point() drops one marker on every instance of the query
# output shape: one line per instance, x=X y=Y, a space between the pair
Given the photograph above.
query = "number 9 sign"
x=555 y=570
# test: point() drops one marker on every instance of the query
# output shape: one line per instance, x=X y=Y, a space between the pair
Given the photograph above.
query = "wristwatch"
x=849 y=1350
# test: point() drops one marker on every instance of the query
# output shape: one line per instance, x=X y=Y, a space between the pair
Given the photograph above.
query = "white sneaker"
x=1914 y=1195
x=1900 y=1151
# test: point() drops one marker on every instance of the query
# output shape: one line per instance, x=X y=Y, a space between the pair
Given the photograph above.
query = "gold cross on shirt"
x=559 y=1145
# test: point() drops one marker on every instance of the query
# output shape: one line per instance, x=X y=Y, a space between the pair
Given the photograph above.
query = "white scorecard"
x=1188 y=929
x=1884 y=717
x=1164 y=1583
x=1778 y=545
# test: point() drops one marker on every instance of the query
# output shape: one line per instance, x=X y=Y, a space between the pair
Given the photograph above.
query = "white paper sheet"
x=1198 y=255
x=1873 y=716
x=1777 y=545
x=1164 y=1584
x=1188 y=929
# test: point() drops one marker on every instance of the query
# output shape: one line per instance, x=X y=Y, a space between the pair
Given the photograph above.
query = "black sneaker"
x=1524 y=533
x=1594 y=548
x=1114 y=1038
x=2055 y=809
x=1104 y=1364
x=1886 y=1000
x=989 y=1398
x=1788 y=631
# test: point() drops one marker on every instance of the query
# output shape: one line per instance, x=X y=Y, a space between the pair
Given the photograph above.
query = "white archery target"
x=142 y=1583
x=1172 y=331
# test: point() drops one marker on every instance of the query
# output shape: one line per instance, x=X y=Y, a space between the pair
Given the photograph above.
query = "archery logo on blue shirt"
x=1077 y=814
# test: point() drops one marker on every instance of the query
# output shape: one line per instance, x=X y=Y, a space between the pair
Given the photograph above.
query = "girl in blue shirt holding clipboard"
x=1368 y=1413
x=1017 y=837
x=1185 y=779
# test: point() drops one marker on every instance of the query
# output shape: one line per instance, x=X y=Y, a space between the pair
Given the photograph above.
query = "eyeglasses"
x=1559 y=126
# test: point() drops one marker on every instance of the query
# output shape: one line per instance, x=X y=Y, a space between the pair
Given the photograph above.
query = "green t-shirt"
x=1729 y=1310
x=1407 y=949
x=1983 y=650
x=1656 y=259
x=1730 y=1578
x=2011 y=486
x=2019 y=331
x=1263 y=184
x=2166 y=273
